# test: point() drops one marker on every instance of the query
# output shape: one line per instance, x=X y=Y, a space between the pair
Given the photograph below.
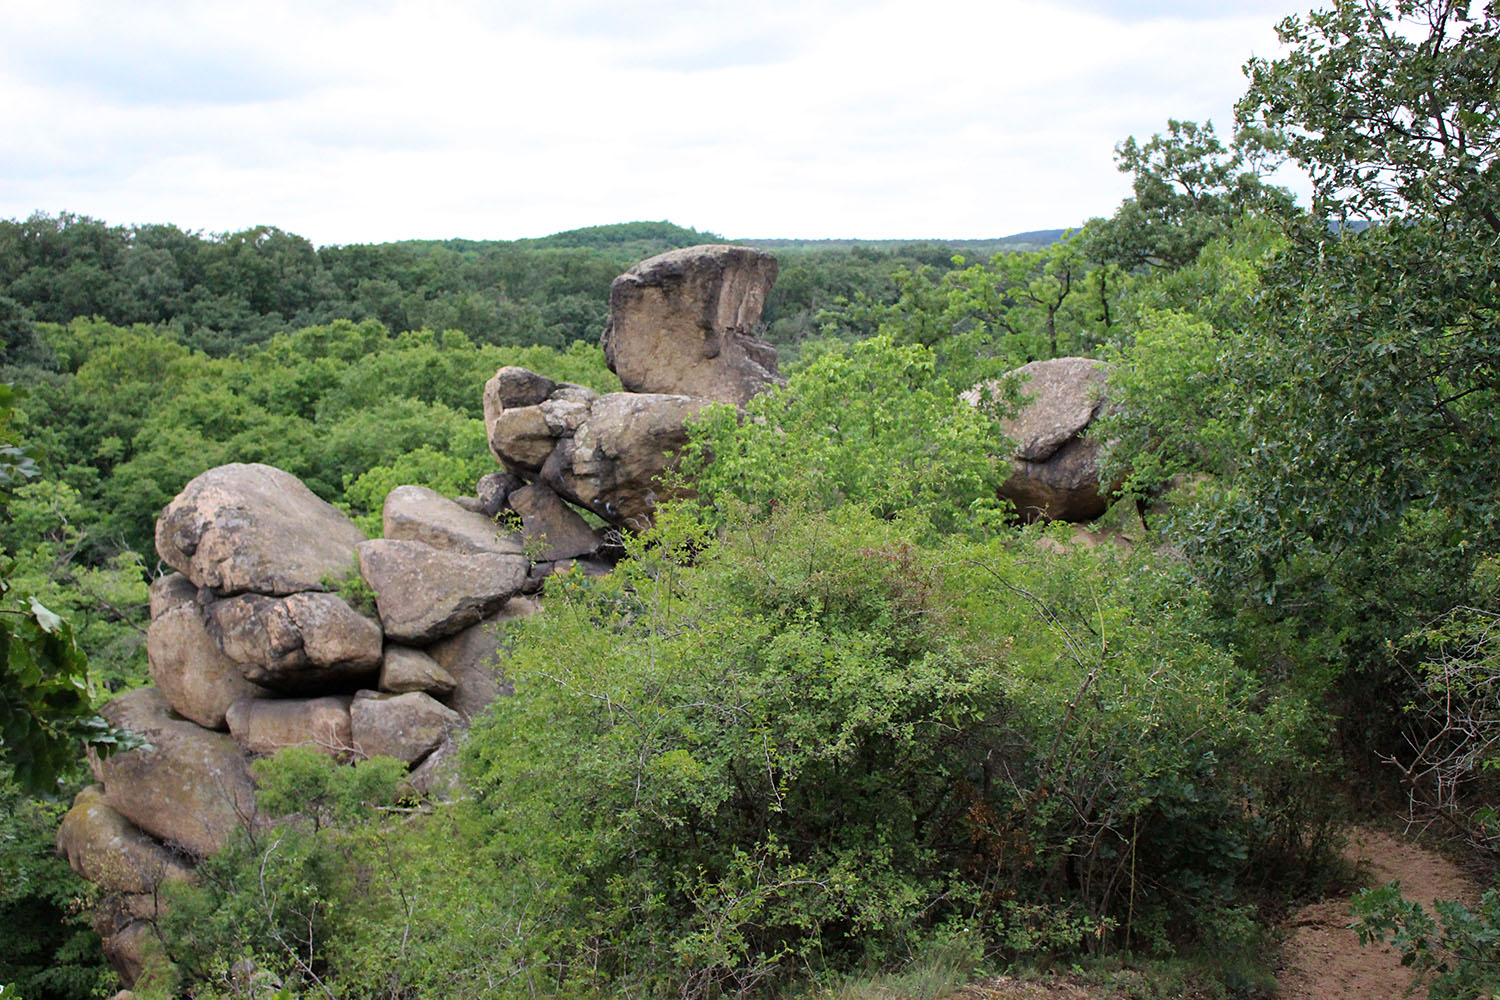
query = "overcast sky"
x=351 y=121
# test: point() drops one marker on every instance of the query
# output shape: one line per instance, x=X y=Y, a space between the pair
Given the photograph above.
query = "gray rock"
x=131 y=948
x=254 y=528
x=406 y=669
x=111 y=852
x=262 y=727
x=418 y=514
x=189 y=667
x=613 y=465
x=549 y=527
x=683 y=322
x=425 y=593
x=296 y=642
x=493 y=490
x=471 y=658
x=405 y=726
x=171 y=591
x=512 y=387
x=1055 y=468
x=189 y=787
x=437 y=777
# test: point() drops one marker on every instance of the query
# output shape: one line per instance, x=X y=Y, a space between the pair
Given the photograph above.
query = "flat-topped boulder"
x=419 y=514
x=256 y=529
x=424 y=593
x=262 y=727
x=108 y=850
x=188 y=787
x=683 y=323
x=297 y=642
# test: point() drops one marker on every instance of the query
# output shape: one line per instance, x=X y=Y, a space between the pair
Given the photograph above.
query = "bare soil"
x=1323 y=959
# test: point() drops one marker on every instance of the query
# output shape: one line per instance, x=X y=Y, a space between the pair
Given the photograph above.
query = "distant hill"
x=1033 y=240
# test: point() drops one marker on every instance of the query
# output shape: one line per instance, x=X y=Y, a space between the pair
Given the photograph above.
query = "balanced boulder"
x=683 y=323
x=254 y=528
x=1055 y=467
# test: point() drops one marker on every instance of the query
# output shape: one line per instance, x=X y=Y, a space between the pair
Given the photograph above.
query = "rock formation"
x=683 y=323
x=265 y=637
x=1055 y=468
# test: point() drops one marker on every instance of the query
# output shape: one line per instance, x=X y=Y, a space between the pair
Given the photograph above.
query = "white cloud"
x=350 y=122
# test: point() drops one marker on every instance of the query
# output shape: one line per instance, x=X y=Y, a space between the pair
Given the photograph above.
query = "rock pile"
x=283 y=625
x=263 y=639
x=680 y=337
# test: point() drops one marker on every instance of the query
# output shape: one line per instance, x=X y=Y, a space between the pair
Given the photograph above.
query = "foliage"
x=873 y=424
x=50 y=953
x=822 y=740
x=1455 y=949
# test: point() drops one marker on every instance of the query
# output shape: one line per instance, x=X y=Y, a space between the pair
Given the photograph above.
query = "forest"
x=863 y=732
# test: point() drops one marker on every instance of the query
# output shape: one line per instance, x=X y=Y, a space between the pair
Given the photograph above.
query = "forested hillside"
x=842 y=722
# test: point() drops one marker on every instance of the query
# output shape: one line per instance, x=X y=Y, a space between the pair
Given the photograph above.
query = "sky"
x=357 y=121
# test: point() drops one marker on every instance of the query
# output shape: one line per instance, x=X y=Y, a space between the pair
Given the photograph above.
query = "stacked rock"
x=680 y=337
x=253 y=648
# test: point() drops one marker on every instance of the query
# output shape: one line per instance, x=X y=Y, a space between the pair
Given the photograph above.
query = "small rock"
x=493 y=490
x=406 y=669
x=262 y=727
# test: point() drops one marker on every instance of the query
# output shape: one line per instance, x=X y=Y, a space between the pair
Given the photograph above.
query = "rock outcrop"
x=683 y=322
x=1055 y=467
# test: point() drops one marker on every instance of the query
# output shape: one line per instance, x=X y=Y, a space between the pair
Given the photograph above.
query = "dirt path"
x=1324 y=960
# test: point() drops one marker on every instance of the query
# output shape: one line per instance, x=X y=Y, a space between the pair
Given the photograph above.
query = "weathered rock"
x=683 y=322
x=188 y=666
x=171 y=591
x=418 y=514
x=1055 y=469
x=511 y=387
x=110 y=851
x=425 y=593
x=131 y=948
x=405 y=726
x=437 y=776
x=406 y=669
x=613 y=464
x=254 y=528
x=493 y=490
x=470 y=657
x=549 y=527
x=522 y=436
x=189 y=787
x=296 y=642
x=264 y=726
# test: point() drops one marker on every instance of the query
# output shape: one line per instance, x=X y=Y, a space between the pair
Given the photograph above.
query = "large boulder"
x=683 y=323
x=110 y=851
x=425 y=593
x=1055 y=467
x=615 y=462
x=550 y=528
x=254 y=528
x=419 y=514
x=190 y=669
x=471 y=658
x=295 y=643
x=188 y=787
x=405 y=726
x=262 y=727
